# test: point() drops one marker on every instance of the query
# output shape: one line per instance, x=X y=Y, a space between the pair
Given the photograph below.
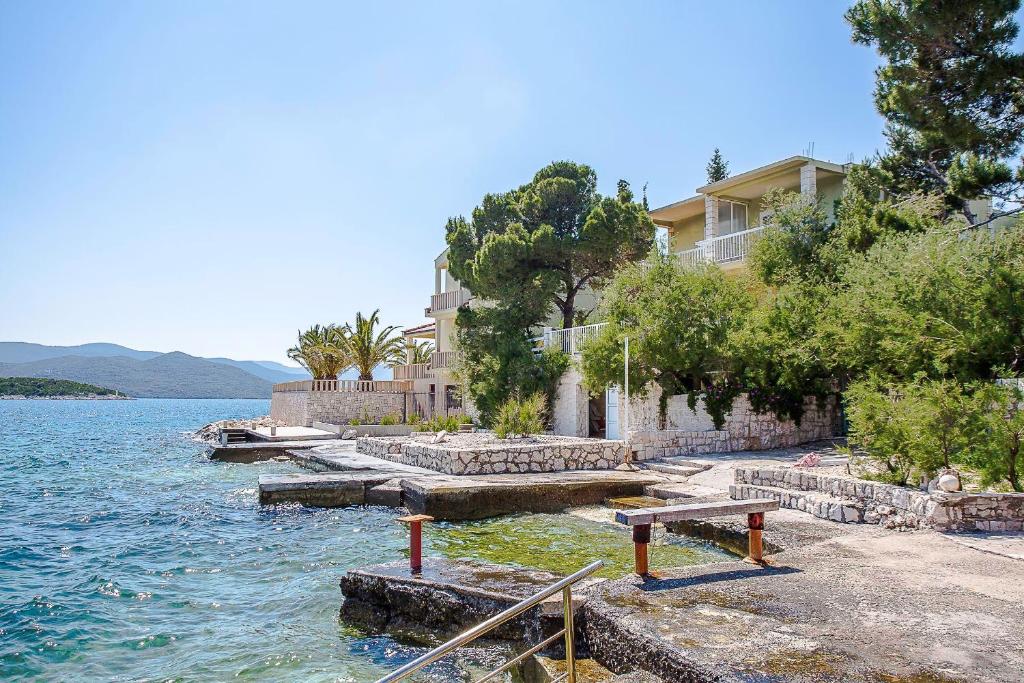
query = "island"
x=34 y=387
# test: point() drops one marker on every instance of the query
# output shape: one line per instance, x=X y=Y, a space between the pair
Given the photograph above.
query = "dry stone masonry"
x=485 y=454
x=690 y=432
x=849 y=500
x=303 y=408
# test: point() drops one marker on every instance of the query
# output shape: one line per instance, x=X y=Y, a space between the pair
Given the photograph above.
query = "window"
x=732 y=217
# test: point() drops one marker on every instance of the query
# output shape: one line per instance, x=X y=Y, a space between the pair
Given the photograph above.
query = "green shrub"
x=414 y=419
x=388 y=420
x=439 y=423
x=517 y=417
x=355 y=422
x=998 y=456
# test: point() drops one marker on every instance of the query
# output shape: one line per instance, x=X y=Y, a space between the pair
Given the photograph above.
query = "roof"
x=789 y=164
x=425 y=328
x=677 y=211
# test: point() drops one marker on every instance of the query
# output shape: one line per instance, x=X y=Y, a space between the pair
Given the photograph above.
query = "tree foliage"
x=322 y=351
x=497 y=360
x=367 y=347
x=538 y=246
x=718 y=167
x=952 y=92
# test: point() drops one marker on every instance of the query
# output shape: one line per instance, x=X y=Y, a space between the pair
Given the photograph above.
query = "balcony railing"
x=384 y=386
x=448 y=301
x=722 y=249
x=440 y=360
x=413 y=371
x=571 y=339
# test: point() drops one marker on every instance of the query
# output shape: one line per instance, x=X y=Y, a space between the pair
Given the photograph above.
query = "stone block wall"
x=552 y=455
x=690 y=432
x=571 y=412
x=850 y=500
x=303 y=408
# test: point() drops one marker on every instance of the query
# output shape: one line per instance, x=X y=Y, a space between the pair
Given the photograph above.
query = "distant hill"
x=168 y=375
x=32 y=387
x=24 y=352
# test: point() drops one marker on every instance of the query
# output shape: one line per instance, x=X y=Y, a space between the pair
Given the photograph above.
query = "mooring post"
x=415 y=523
x=755 y=552
x=641 y=537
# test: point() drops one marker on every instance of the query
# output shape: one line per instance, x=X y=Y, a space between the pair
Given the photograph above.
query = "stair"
x=820 y=505
x=234 y=435
x=677 y=466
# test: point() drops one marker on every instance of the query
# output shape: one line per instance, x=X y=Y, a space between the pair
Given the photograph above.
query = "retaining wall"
x=303 y=408
x=845 y=499
x=553 y=454
x=690 y=432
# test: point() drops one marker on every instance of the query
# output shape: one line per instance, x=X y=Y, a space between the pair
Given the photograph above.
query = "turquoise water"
x=125 y=554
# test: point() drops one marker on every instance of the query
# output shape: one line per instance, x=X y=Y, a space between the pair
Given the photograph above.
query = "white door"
x=611 y=414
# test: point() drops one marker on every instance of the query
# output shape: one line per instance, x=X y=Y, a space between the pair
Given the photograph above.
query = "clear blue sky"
x=211 y=176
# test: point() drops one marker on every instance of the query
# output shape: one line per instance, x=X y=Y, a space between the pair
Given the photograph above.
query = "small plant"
x=390 y=419
x=442 y=423
x=414 y=419
x=367 y=420
x=354 y=422
x=518 y=418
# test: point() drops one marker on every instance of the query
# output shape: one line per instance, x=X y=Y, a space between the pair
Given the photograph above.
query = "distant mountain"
x=168 y=375
x=268 y=370
x=24 y=352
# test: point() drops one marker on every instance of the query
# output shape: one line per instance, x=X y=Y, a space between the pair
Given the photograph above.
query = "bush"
x=518 y=418
x=355 y=422
x=446 y=423
x=998 y=456
x=414 y=419
x=388 y=420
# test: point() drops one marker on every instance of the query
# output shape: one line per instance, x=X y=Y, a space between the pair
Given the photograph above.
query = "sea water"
x=126 y=554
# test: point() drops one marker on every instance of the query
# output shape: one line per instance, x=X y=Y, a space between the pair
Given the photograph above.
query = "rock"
x=439 y=437
x=349 y=434
x=948 y=482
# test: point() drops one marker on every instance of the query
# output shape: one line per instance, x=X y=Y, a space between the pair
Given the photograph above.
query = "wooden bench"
x=642 y=519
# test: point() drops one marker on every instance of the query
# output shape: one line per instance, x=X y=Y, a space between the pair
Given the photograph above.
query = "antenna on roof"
x=809 y=152
x=849 y=158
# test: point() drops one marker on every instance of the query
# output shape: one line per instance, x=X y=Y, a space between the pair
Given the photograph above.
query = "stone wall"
x=571 y=412
x=303 y=408
x=552 y=454
x=691 y=432
x=850 y=500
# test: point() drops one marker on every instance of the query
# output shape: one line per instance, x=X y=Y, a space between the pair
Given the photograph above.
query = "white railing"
x=384 y=386
x=722 y=249
x=413 y=371
x=735 y=246
x=441 y=359
x=447 y=301
x=571 y=339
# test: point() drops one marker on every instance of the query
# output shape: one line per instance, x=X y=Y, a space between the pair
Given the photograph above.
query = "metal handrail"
x=465 y=638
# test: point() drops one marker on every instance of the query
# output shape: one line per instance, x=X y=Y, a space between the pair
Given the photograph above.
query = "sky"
x=209 y=177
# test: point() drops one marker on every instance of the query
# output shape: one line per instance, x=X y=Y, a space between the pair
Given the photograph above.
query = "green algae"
x=561 y=543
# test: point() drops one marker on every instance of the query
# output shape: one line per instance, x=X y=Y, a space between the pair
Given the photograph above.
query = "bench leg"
x=641 y=537
x=755 y=552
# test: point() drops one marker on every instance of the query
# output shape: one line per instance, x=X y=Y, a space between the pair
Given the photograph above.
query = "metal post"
x=415 y=523
x=625 y=432
x=641 y=537
x=570 y=654
x=755 y=553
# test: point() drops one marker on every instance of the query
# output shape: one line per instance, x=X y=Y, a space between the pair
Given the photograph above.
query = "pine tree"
x=951 y=89
x=718 y=168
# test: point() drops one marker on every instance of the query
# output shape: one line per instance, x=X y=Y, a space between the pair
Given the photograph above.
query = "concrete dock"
x=342 y=476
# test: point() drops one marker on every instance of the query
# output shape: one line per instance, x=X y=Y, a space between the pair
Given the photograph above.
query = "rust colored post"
x=755 y=553
x=641 y=537
x=415 y=523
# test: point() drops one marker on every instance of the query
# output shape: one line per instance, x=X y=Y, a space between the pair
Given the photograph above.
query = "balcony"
x=447 y=301
x=440 y=360
x=571 y=339
x=412 y=371
x=723 y=249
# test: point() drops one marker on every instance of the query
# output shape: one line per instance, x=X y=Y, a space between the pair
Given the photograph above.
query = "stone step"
x=678 y=470
x=820 y=505
x=388 y=494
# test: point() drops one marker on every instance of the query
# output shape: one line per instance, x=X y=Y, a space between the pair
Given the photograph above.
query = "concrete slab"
x=1007 y=544
x=257 y=451
x=319 y=490
x=290 y=434
x=866 y=604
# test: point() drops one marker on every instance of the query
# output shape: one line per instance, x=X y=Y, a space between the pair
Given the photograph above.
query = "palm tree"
x=421 y=352
x=367 y=348
x=323 y=351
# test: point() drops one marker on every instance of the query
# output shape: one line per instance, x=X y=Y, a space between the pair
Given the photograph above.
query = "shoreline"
x=89 y=397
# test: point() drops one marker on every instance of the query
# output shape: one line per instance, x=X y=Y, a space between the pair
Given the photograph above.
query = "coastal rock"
x=211 y=432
